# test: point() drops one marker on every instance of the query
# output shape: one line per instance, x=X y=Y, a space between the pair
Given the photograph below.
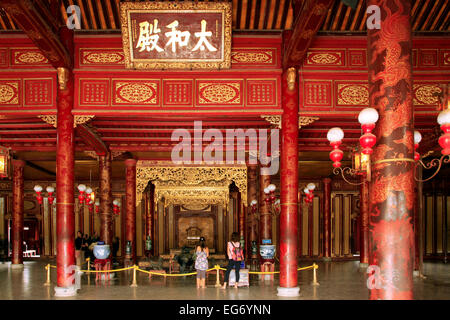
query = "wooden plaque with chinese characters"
x=176 y=35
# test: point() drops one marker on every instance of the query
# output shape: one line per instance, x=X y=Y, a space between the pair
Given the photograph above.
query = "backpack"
x=237 y=253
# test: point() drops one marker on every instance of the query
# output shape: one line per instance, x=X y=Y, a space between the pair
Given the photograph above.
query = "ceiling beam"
x=309 y=16
x=92 y=138
x=35 y=18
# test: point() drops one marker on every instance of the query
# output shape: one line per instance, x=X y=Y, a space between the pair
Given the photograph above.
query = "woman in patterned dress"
x=201 y=262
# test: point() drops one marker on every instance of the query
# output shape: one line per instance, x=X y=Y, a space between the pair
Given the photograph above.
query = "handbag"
x=237 y=253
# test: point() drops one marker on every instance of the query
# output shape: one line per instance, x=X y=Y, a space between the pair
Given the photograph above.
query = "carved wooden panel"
x=10 y=92
x=28 y=57
x=317 y=93
x=324 y=57
x=352 y=93
x=94 y=92
x=445 y=58
x=177 y=92
x=262 y=92
x=428 y=58
x=219 y=92
x=426 y=93
x=101 y=58
x=254 y=57
x=357 y=58
x=4 y=58
x=39 y=92
x=135 y=92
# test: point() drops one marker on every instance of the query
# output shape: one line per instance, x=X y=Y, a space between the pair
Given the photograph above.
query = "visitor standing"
x=78 y=246
x=201 y=262
x=115 y=248
x=235 y=256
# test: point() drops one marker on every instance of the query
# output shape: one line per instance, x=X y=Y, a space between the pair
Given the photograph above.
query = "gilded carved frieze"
x=426 y=94
x=219 y=93
x=188 y=177
x=261 y=57
x=275 y=120
x=194 y=196
x=77 y=119
x=353 y=94
x=97 y=57
x=9 y=92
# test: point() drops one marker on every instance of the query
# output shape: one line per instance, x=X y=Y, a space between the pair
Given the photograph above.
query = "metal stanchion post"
x=315 y=283
x=217 y=277
x=48 y=283
x=134 y=283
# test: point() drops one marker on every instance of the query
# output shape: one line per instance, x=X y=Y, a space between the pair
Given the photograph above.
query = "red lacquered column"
x=252 y=174
x=149 y=217
x=106 y=211
x=299 y=224
x=364 y=220
x=289 y=185
x=265 y=221
x=130 y=222
x=17 y=215
x=65 y=215
x=391 y=203
x=327 y=219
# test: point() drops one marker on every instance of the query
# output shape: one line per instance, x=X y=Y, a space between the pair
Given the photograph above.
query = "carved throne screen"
x=193 y=236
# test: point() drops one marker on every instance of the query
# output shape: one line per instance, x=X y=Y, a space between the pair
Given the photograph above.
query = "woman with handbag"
x=201 y=262
x=235 y=256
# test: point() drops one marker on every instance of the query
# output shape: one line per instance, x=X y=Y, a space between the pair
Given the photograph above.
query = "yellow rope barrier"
x=216 y=267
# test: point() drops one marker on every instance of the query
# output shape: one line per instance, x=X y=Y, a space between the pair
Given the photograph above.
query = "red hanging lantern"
x=87 y=196
x=50 y=190
x=444 y=121
x=38 y=190
x=417 y=139
x=335 y=136
x=368 y=117
x=81 y=189
x=116 y=207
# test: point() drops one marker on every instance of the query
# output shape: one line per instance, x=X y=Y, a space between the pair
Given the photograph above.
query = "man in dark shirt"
x=78 y=246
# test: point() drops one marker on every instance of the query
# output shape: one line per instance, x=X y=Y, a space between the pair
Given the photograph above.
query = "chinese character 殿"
x=148 y=36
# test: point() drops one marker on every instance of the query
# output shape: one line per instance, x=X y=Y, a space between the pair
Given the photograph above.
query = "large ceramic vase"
x=267 y=251
x=102 y=251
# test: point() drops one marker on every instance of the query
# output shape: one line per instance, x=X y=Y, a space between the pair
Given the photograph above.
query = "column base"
x=17 y=266
x=326 y=259
x=288 y=292
x=65 y=291
x=363 y=265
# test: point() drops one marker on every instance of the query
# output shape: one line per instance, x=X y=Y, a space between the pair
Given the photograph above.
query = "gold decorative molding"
x=77 y=119
x=189 y=177
x=63 y=77
x=275 y=120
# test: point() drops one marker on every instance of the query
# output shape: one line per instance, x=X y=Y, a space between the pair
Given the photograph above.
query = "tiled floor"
x=338 y=280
